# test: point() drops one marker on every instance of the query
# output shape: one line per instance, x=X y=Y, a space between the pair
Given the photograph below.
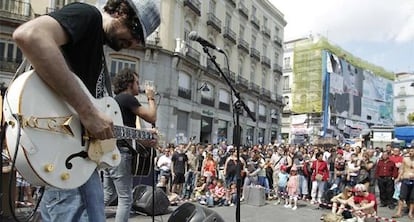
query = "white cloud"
x=349 y=20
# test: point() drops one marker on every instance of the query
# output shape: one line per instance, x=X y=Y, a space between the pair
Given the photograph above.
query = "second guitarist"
x=118 y=181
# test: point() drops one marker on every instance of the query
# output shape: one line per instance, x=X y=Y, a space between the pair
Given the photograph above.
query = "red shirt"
x=386 y=168
x=322 y=169
x=396 y=159
x=368 y=199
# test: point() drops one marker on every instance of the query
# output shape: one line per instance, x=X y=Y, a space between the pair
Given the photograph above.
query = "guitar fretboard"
x=124 y=132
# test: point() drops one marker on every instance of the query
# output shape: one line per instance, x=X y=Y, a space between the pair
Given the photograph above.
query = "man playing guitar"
x=118 y=180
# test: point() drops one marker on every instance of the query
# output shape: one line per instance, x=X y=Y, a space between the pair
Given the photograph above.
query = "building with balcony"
x=180 y=67
x=403 y=99
x=330 y=93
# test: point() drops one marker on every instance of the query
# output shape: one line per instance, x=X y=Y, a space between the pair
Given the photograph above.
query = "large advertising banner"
x=358 y=94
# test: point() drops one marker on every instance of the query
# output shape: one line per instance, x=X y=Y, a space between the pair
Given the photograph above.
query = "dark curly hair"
x=122 y=79
x=122 y=7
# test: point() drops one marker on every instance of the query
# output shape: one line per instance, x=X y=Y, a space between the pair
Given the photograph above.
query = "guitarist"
x=118 y=180
x=70 y=42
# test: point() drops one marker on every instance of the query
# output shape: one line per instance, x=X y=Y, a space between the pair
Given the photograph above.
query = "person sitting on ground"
x=341 y=200
x=363 y=204
x=231 y=194
x=200 y=190
x=217 y=196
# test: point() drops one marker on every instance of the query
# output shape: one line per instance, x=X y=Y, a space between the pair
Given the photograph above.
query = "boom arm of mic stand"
x=237 y=94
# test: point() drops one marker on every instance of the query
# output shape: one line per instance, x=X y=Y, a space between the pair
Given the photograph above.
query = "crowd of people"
x=342 y=177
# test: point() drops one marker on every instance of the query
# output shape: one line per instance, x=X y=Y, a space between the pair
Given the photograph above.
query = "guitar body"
x=52 y=149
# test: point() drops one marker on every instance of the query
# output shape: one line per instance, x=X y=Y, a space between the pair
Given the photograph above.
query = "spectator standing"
x=178 y=170
x=319 y=178
x=385 y=174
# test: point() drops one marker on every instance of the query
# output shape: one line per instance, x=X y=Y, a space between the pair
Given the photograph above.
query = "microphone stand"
x=238 y=105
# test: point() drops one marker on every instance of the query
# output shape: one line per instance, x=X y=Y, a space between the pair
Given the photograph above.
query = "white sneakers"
x=333 y=187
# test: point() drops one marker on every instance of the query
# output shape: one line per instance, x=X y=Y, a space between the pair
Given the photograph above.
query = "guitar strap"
x=107 y=77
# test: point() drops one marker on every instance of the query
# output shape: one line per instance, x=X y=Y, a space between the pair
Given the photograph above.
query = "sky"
x=378 y=31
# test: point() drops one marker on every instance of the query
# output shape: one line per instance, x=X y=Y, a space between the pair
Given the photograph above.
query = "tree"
x=411 y=118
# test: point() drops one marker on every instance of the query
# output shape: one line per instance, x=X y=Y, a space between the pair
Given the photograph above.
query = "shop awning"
x=405 y=133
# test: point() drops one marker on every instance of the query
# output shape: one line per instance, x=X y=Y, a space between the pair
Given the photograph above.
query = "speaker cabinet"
x=143 y=200
x=189 y=212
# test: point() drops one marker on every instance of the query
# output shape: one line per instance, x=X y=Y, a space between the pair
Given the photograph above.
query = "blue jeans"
x=118 y=183
x=80 y=204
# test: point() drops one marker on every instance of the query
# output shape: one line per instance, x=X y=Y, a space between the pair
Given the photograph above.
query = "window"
x=207 y=97
x=252 y=107
x=117 y=64
x=228 y=20
x=212 y=7
x=286 y=63
x=224 y=100
x=182 y=126
x=184 y=88
x=262 y=113
x=241 y=32
x=222 y=130
x=240 y=68
x=253 y=41
x=264 y=21
x=402 y=102
x=286 y=85
x=254 y=11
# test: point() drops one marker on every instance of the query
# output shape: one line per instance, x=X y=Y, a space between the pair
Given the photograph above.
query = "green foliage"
x=411 y=118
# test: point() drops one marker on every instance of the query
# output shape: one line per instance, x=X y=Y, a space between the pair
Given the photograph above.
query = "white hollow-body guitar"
x=53 y=149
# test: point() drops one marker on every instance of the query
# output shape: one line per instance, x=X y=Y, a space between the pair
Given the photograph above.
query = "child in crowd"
x=231 y=194
x=281 y=186
x=200 y=190
x=217 y=195
x=292 y=189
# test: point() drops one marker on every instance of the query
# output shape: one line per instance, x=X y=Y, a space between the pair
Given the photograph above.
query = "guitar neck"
x=124 y=132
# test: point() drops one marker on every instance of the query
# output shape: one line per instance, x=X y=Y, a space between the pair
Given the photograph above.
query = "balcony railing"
x=262 y=118
x=214 y=22
x=279 y=99
x=242 y=81
x=229 y=34
x=255 y=54
x=243 y=45
x=266 y=61
x=401 y=108
x=207 y=101
x=402 y=93
x=232 y=3
x=255 y=22
x=224 y=106
x=254 y=87
x=9 y=65
x=211 y=69
x=16 y=10
x=184 y=93
x=243 y=10
x=192 y=53
x=230 y=74
x=277 y=40
x=265 y=92
x=266 y=31
x=194 y=5
x=275 y=121
x=277 y=68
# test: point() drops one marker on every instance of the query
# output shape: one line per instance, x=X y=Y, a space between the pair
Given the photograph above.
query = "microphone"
x=142 y=91
x=193 y=35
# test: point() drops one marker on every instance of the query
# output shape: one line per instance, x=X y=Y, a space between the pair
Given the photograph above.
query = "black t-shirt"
x=128 y=103
x=84 y=50
x=179 y=160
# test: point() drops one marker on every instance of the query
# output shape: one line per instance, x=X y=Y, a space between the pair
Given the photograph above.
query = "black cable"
x=12 y=177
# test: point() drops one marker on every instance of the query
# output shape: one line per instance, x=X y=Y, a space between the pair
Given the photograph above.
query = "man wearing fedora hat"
x=70 y=42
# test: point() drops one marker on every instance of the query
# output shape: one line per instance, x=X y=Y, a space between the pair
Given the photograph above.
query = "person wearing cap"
x=68 y=43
